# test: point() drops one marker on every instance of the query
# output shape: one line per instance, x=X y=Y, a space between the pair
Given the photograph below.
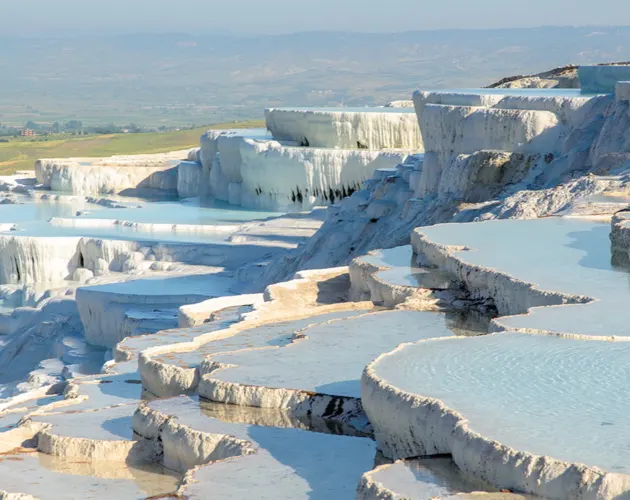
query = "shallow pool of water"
x=543 y=394
x=403 y=271
x=570 y=256
x=321 y=363
x=32 y=219
x=275 y=334
x=289 y=463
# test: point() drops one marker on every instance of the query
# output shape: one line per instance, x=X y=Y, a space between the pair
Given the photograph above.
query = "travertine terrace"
x=423 y=300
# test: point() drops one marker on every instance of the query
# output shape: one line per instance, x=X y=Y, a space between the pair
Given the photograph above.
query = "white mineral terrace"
x=310 y=357
x=551 y=261
x=174 y=326
x=110 y=175
x=250 y=169
x=258 y=451
x=390 y=277
x=451 y=395
x=346 y=128
x=426 y=478
x=602 y=78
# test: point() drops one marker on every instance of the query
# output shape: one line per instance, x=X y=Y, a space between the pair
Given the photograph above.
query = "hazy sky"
x=65 y=17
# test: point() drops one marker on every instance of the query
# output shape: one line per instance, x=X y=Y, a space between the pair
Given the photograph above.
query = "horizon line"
x=236 y=34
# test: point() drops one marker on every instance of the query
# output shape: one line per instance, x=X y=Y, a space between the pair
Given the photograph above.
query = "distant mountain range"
x=181 y=79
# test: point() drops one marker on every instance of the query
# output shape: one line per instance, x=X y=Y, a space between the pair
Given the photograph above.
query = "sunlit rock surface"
x=257 y=451
x=111 y=175
x=190 y=361
x=346 y=128
x=250 y=168
x=305 y=177
x=313 y=373
x=426 y=478
x=103 y=308
x=391 y=277
x=573 y=266
x=555 y=280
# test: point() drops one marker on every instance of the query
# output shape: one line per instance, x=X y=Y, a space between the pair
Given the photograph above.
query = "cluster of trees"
x=76 y=127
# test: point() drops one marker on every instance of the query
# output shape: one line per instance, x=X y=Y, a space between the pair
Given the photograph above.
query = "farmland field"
x=21 y=154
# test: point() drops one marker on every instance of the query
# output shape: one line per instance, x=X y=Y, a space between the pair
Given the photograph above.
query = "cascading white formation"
x=306 y=156
x=110 y=175
x=590 y=136
x=347 y=128
x=459 y=130
x=494 y=153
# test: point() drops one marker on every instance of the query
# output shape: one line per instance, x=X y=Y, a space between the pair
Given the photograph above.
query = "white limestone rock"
x=426 y=478
x=219 y=156
x=596 y=139
x=248 y=168
x=412 y=421
x=280 y=176
x=82 y=275
x=371 y=128
x=189 y=179
x=239 y=453
x=27 y=260
x=391 y=278
x=110 y=175
x=103 y=308
x=202 y=312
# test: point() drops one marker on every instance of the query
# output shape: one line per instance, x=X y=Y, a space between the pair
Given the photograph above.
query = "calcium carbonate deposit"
x=420 y=301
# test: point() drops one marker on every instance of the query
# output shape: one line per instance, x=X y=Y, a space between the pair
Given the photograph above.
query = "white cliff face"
x=30 y=260
x=246 y=168
x=78 y=179
x=452 y=130
x=104 y=308
x=221 y=161
x=277 y=175
x=25 y=260
x=355 y=128
x=189 y=179
x=525 y=130
x=562 y=103
x=110 y=175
